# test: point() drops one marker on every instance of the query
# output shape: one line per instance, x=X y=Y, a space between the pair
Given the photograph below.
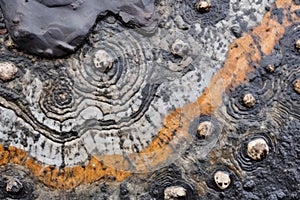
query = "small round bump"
x=13 y=185
x=203 y=6
x=297 y=45
x=270 y=68
x=103 y=61
x=174 y=192
x=297 y=86
x=257 y=149
x=249 y=100
x=179 y=48
x=7 y=71
x=222 y=179
x=62 y=97
x=205 y=129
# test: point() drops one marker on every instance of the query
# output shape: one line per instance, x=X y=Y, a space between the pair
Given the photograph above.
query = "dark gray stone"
x=56 y=28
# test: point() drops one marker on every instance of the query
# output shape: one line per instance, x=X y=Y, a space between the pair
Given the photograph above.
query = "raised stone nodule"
x=270 y=68
x=249 y=100
x=57 y=28
x=222 y=179
x=297 y=86
x=7 y=71
x=174 y=192
x=205 y=129
x=257 y=149
x=179 y=48
x=203 y=6
x=14 y=185
x=297 y=45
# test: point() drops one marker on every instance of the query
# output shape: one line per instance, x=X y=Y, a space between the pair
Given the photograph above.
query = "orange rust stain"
x=4 y=156
x=34 y=167
x=70 y=177
x=17 y=156
x=265 y=34
x=242 y=52
x=284 y=3
x=66 y=178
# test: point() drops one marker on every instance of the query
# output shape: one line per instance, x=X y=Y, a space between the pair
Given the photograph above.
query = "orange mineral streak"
x=243 y=53
x=4 y=155
x=266 y=32
x=66 y=178
x=17 y=156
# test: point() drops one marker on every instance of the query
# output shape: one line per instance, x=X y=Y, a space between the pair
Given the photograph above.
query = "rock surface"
x=83 y=127
x=57 y=28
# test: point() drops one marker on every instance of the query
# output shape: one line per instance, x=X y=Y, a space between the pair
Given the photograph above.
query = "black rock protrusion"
x=56 y=28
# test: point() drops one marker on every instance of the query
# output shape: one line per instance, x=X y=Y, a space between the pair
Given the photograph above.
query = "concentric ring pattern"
x=153 y=112
x=90 y=102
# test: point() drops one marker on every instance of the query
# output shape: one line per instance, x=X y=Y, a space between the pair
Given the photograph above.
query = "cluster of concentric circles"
x=187 y=10
x=167 y=177
x=112 y=97
x=264 y=93
x=59 y=99
x=87 y=105
x=116 y=91
x=245 y=162
x=288 y=44
x=289 y=97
